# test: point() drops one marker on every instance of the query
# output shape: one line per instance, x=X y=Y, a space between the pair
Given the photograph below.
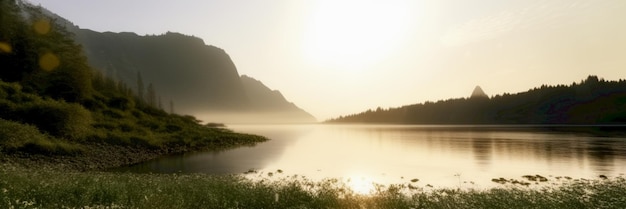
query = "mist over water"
x=256 y=117
x=443 y=156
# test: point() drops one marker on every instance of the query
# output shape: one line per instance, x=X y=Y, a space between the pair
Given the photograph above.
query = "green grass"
x=47 y=126
x=105 y=130
x=18 y=137
x=27 y=188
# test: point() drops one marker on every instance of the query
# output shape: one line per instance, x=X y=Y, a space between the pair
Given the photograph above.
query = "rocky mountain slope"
x=185 y=75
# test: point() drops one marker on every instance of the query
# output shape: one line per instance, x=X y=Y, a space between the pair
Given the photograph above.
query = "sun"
x=355 y=33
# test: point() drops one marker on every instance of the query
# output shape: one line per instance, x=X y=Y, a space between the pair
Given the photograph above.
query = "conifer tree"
x=151 y=97
x=140 y=87
x=160 y=103
x=171 y=107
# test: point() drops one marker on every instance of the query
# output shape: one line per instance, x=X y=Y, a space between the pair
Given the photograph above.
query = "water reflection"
x=602 y=154
x=482 y=152
x=237 y=160
x=437 y=155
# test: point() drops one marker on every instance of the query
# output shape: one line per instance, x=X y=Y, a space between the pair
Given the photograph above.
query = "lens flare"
x=42 y=26
x=49 y=62
x=5 y=47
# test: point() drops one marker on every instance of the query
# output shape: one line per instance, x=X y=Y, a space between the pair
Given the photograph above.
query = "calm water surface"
x=443 y=156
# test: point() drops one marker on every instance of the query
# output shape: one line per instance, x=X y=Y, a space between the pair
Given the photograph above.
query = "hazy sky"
x=333 y=57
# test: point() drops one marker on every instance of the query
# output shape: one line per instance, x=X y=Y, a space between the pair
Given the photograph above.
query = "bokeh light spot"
x=49 y=62
x=42 y=26
x=5 y=47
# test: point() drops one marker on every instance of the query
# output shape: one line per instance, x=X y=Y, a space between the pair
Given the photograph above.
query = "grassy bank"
x=26 y=188
x=104 y=132
x=103 y=156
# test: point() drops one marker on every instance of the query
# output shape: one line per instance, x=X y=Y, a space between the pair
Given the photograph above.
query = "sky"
x=338 y=57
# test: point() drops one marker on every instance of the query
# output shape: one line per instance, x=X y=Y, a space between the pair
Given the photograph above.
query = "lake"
x=442 y=156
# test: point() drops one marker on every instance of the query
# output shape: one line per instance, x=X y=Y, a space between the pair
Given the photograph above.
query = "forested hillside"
x=591 y=101
x=53 y=103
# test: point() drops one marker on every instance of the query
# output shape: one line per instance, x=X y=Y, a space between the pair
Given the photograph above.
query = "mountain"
x=183 y=69
x=186 y=75
x=271 y=103
x=592 y=101
x=478 y=93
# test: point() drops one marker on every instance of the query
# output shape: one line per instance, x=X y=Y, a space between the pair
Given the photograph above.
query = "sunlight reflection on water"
x=443 y=156
x=361 y=184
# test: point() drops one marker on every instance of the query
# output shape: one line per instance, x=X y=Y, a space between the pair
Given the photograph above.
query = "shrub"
x=13 y=92
x=93 y=104
x=113 y=113
x=122 y=103
x=8 y=89
x=16 y=136
x=50 y=147
x=173 y=128
x=7 y=109
x=149 y=110
x=58 y=118
x=150 y=124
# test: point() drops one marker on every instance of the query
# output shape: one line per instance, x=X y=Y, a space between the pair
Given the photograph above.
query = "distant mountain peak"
x=478 y=93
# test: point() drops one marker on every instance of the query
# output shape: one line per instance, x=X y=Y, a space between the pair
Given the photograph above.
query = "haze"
x=339 y=57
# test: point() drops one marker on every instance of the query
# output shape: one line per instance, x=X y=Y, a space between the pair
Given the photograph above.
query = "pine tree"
x=140 y=87
x=171 y=107
x=151 y=97
x=160 y=103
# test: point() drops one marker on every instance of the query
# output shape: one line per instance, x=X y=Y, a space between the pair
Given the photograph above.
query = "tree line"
x=591 y=101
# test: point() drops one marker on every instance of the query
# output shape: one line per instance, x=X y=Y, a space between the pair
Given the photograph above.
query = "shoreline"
x=103 y=156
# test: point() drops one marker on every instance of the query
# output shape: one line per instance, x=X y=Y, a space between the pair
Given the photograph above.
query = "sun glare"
x=361 y=185
x=355 y=33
